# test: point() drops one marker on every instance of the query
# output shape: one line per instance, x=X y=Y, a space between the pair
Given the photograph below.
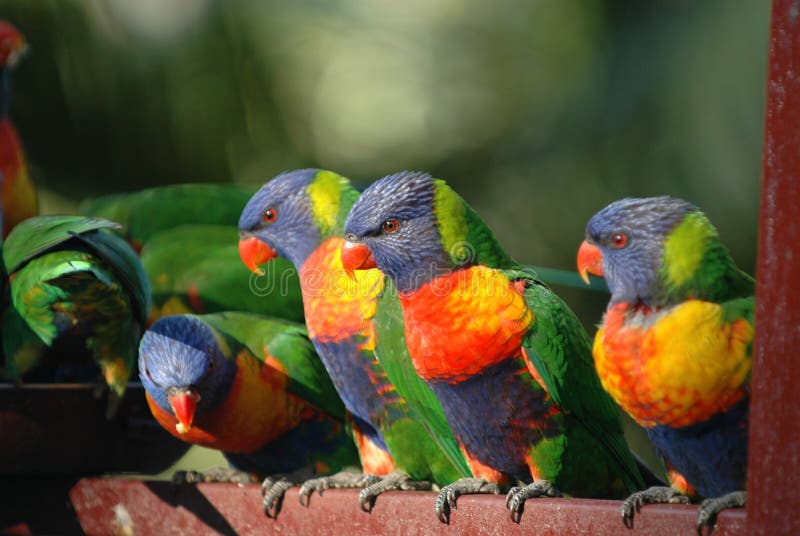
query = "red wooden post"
x=774 y=459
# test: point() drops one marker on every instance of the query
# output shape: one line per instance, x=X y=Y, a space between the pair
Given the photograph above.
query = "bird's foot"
x=273 y=489
x=396 y=481
x=709 y=509
x=217 y=474
x=654 y=495
x=516 y=497
x=446 y=500
x=342 y=479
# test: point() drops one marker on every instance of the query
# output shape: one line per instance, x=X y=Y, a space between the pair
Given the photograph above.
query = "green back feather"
x=560 y=351
x=37 y=235
x=123 y=260
x=147 y=212
x=72 y=293
x=204 y=260
x=288 y=343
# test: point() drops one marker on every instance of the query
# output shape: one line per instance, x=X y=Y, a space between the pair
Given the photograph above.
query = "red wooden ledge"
x=161 y=508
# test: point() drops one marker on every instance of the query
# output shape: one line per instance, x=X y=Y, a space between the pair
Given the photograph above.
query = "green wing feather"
x=392 y=354
x=72 y=283
x=147 y=212
x=560 y=351
x=122 y=259
x=288 y=343
x=37 y=235
x=71 y=295
x=203 y=261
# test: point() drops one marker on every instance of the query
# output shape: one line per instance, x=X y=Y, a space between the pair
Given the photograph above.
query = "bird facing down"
x=250 y=386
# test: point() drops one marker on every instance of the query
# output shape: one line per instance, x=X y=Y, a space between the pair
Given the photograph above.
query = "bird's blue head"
x=627 y=242
x=393 y=225
x=292 y=214
x=183 y=368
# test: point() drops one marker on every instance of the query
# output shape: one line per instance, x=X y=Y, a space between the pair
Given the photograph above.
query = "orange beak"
x=254 y=252
x=590 y=261
x=183 y=405
x=356 y=256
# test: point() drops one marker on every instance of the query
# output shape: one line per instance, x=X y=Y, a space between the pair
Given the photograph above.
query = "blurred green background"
x=539 y=112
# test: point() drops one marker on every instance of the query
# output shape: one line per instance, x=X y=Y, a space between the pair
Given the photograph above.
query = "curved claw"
x=273 y=492
x=447 y=499
x=516 y=497
x=710 y=508
x=344 y=479
x=655 y=495
x=514 y=504
x=365 y=497
x=309 y=487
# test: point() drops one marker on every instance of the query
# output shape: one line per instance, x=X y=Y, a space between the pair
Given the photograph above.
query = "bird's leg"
x=446 y=500
x=216 y=474
x=654 y=495
x=709 y=508
x=395 y=481
x=273 y=488
x=517 y=496
x=349 y=478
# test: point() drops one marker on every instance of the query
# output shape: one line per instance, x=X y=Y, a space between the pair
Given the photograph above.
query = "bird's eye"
x=147 y=373
x=390 y=225
x=619 y=240
x=270 y=215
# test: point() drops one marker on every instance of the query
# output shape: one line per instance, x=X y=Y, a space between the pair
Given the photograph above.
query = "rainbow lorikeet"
x=17 y=192
x=508 y=360
x=250 y=386
x=78 y=303
x=196 y=269
x=674 y=348
x=352 y=321
x=145 y=213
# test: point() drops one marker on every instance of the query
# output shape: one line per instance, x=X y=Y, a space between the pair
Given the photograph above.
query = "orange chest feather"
x=676 y=366
x=338 y=305
x=460 y=324
x=257 y=410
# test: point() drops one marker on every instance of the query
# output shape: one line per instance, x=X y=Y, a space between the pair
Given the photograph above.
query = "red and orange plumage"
x=258 y=408
x=338 y=308
x=17 y=191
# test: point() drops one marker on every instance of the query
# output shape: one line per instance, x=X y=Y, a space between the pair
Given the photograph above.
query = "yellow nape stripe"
x=685 y=247
x=325 y=193
x=450 y=217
